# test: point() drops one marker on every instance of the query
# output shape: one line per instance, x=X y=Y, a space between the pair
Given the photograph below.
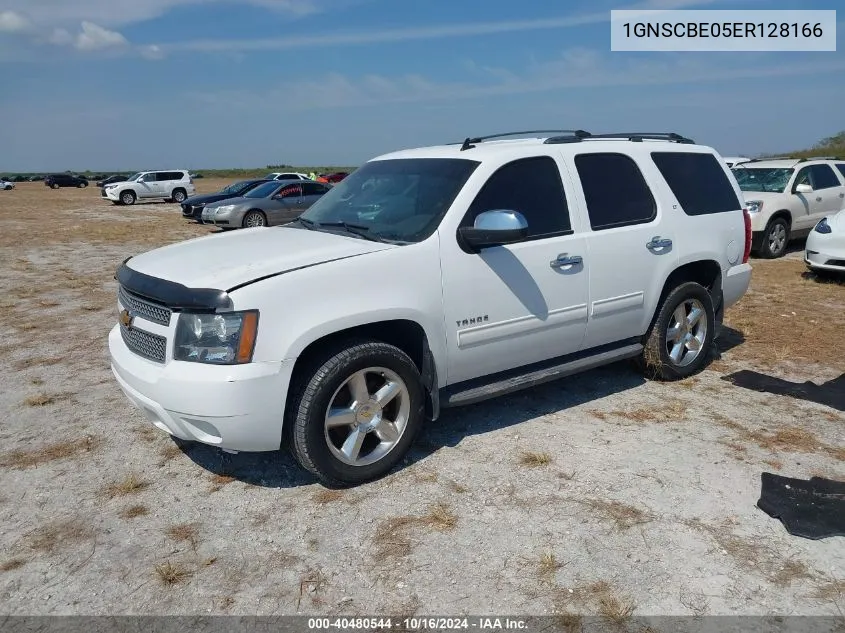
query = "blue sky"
x=126 y=84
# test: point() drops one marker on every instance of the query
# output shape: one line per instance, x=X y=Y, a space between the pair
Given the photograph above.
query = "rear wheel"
x=179 y=196
x=55 y=185
x=253 y=219
x=82 y=185
x=679 y=340
x=354 y=412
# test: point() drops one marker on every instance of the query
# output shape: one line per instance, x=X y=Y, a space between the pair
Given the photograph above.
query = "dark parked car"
x=35 y=178
x=111 y=179
x=55 y=181
x=193 y=206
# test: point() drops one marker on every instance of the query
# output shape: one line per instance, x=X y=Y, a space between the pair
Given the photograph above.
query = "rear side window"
x=313 y=189
x=823 y=177
x=698 y=182
x=841 y=168
x=531 y=186
x=615 y=190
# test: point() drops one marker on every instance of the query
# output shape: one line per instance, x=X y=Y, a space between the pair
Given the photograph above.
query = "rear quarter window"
x=698 y=181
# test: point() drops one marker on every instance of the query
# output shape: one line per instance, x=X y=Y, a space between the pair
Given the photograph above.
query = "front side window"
x=401 y=199
x=531 y=186
x=615 y=190
x=263 y=191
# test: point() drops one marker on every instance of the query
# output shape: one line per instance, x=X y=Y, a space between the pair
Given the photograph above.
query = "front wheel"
x=254 y=219
x=775 y=239
x=678 y=342
x=354 y=412
x=127 y=197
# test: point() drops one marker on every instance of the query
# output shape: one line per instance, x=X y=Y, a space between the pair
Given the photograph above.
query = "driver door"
x=516 y=304
x=146 y=186
x=285 y=205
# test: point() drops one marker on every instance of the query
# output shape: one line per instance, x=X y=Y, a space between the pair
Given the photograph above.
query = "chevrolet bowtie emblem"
x=126 y=319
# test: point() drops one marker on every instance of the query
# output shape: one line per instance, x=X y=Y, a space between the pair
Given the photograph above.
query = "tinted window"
x=615 y=190
x=263 y=191
x=841 y=168
x=823 y=177
x=531 y=186
x=290 y=191
x=314 y=189
x=698 y=182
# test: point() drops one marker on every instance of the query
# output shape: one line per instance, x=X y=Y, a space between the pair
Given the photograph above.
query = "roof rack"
x=636 y=137
x=757 y=160
x=801 y=160
x=470 y=141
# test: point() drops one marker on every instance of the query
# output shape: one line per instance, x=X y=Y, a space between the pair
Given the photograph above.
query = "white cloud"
x=94 y=37
x=11 y=22
x=151 y=52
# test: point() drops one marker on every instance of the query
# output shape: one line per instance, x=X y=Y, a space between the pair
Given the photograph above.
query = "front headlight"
x=823 y=227
x=218 y=339
x=754 y=206
x=224 y=209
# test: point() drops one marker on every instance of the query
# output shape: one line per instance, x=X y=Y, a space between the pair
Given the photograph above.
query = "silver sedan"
x=270 y=204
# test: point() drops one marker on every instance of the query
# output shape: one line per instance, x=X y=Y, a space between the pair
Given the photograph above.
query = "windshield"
x=263 y=191
x=772 y=179
x=135 y=177
x=400 y=200
x=271 y=176
x=235 y=186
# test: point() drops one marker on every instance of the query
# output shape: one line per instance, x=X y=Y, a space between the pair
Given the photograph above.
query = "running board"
x=501 y=384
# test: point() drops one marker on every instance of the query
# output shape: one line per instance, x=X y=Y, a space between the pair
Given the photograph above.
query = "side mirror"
x=803 y=188
x=494 y=228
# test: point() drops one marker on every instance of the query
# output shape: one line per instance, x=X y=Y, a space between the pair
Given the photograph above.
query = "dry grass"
x=134 y=511
x=131 y=484
x=60 y=450
x=597 y=597
x=172 y=573
x=311 y=583
x=327 y=495
x=392 y=538
x=184 y=533
x=547 y=567
x=531 y=459
x=12 y=564
x=38 y=361
x=623 y=515
x=458 y=487
x=218 y=481
x=43 y=399
x=169 y=451
x=830 y=591
x=49 y=538
x=665 y=411
x=791 y=439
x=439 y=517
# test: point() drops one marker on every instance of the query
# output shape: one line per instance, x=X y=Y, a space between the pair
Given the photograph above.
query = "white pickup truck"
x=432 y=278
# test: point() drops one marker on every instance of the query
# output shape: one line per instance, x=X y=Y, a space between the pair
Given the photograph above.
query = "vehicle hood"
x=208 y=197
x=121 y=182
x=226 y=260
x=761 y=195
x=235 y=201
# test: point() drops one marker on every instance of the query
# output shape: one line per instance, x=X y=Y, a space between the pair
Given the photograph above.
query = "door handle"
x=565 y=260
x=659 y=242
x=842 y=195
x=818 y=198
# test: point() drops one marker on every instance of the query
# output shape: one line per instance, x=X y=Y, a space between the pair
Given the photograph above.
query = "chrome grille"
x=143 y=308
x=146 y=344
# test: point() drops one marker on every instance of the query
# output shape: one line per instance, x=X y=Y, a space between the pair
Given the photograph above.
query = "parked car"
x=173 y=185
x=54 y=181
x=484 y=269
x=111 y=180
x=193 y=206
x=5 y=185
x=34 y=178
x=334 y=177
x=269 y=204
x=287 y=175
x=787 y=198
x=733 y=161
x=825 y=248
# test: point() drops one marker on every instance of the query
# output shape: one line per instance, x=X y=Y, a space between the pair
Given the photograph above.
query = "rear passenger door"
x=630 y=246
x=311 y=192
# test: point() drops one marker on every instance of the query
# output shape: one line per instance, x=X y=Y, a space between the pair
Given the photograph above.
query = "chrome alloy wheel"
x=367 y=416
x=686 y=333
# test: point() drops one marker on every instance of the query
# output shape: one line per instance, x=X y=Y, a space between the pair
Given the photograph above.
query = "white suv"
x=787 y=197
x=431 y=278
x=286 y=175
x=174 y=185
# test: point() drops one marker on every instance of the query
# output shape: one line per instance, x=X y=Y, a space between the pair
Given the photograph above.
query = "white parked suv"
x=431 y=278
x=787 y=197
x=174 y=185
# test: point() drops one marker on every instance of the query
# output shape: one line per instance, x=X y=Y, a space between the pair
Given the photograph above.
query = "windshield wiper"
x=308 y=224
x=355 y=229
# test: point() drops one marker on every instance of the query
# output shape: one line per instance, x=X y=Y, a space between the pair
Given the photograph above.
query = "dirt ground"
x=601 y=494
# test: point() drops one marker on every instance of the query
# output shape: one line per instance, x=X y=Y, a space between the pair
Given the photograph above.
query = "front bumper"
x=110 y=194
x=825 y=251
x=234 y=407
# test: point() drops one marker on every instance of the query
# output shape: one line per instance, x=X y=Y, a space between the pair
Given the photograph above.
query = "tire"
x=775 y=239
x=658 y=360
x=54 y=186
x=82 y=185
x=327 y=382
x=253 y=219
x=179 y=196
x=127 y=197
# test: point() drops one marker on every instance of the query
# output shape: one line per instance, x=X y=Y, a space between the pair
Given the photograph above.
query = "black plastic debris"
x=813 y=509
